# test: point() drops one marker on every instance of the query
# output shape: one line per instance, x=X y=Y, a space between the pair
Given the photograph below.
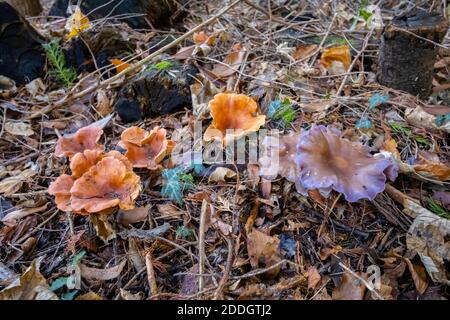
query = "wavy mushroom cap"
x=327 y=161
x=279 y=157
x=107 y=184
x=340 y=53
x=60 y=188
x=82 y=162
x=234 y=116
x=146 y=149
x=84 y=139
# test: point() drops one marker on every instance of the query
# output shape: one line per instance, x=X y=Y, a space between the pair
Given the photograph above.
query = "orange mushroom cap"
x=146 y=149
x=60 y=188
x=84 y=139
x=107 y=184
x=233 y=117
x=339 y=53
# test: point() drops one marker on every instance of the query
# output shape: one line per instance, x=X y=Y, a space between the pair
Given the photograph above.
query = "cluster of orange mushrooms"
x=317 y=159
x=101 y=181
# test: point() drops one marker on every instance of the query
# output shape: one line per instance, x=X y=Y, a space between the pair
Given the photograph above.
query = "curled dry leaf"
x=231 y=63
x=102 y=227
x=84 y=139
x=146 y=149
x=429 y=237
x=31 y=285
x=233 y=117
x=313 y=277
x=95 y=274
x=11 y=185
x=138 y=214
x=263 y=249
x=89 y=296
x=108 y=184
x=220 y=174
x=12 y=217
x=336 y=59
x=350 y=288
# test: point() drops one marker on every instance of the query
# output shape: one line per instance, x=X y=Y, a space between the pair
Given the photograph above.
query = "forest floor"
x=235 y=234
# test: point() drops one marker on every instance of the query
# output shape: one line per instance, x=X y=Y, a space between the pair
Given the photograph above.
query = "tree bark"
x=408 y=52
x=27 y=8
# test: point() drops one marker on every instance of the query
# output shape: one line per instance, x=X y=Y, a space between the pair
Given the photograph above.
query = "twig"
x=151 y=277
x=134 y=67
x=366 y=43
x=201 y=245
x=228 y=267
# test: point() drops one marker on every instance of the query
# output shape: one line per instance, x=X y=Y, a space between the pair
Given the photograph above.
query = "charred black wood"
x=156 y=91
x=139 y=14
x=22 y=57
x=408 y=51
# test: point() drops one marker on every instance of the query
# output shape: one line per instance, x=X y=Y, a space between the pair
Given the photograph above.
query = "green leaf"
x=363 y=123
x=366 y=15
x=55 y=55
x=175 y=182
x=437 y=209
x=164 y=65
x=281 y=110
x=398 y=127
x=184 y=232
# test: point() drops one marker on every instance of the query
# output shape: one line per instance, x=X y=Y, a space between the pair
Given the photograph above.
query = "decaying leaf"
x=102 y=227
x=350 y=288
x=6 y=275
x=220 y=174
x=11 y=185
x=89 y=296
x=264 y=249
x=12 y=217
x=231 y=63
x=138 y=214
x=313 y=277
x=95 y=274
x=19 y=128
x=31 y=285
x=429 y=237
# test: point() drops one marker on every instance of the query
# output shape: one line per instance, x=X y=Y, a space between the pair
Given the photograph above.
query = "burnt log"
x=22 y=57
x=138 y=14
x=159 y=89
x=408 y=51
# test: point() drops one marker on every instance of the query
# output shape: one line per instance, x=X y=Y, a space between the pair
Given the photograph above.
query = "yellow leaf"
x=119 y=64
x=77 y=23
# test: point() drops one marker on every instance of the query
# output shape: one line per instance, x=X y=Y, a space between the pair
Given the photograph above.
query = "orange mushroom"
x=146 y=149
x=107 y=184
x=233 y=117
x=60 y=188
x=339 y=54
x=84 y=139
x=82 y=162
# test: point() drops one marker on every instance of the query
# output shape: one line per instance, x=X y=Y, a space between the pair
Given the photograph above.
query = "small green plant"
x=437 y=209
x=183 y=232
x=163 y=65
x=65 y=75
x=175 y=182
x=399 y=128
x=282 y=110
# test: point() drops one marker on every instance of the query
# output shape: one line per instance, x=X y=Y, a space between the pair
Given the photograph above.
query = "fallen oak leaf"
x=95 y=274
